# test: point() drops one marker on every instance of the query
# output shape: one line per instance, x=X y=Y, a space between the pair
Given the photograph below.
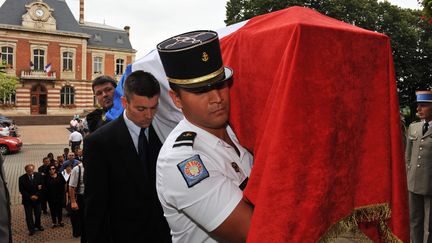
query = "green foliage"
x=410 y=33
x=427 y=7
x=7 y=83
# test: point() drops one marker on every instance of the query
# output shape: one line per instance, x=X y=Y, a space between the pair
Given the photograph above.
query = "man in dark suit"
x=103 y=89
x=30 y=186
x=120 y=171
x=5 y=219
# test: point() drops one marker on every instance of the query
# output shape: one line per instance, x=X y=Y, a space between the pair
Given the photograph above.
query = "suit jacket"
x=121 y=199
x=28 y=188
x=418 y=157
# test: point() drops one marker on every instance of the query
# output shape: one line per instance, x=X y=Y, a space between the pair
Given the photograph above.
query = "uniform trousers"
x=30 y=209
x=77 y=220
x=417 y=205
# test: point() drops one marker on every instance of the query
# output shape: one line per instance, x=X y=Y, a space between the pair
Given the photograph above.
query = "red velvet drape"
x=315 y=100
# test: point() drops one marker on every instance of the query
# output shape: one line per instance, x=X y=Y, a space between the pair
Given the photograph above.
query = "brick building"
x=55 y=57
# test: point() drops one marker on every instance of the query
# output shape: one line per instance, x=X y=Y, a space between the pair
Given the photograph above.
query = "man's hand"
x=34 y=197
x=74 y=206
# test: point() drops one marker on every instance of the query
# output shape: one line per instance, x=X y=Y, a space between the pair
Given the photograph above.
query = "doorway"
x=38 y=102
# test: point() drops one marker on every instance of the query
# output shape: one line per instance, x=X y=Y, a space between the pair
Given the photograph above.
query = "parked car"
x=9 y=144
x=4 y=130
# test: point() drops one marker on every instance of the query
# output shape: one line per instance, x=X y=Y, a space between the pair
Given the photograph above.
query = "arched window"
x=67 y=95
x=67 y=61
x=6 y=54
x=39 y=59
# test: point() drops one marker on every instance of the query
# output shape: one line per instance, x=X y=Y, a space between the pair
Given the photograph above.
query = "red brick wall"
x=23 y=55
x=89 y=66
x=109 y=65
x=78 y=64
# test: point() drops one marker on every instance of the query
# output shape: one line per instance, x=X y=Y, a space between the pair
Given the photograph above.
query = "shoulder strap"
x=77 y=189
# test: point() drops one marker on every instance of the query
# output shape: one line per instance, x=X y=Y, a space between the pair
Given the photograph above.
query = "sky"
x=153 y=21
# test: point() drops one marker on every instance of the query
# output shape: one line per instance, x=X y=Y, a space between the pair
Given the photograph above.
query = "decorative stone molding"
x=39 y=16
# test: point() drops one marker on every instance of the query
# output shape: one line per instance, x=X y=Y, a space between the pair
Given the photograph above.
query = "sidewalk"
x=55 y=134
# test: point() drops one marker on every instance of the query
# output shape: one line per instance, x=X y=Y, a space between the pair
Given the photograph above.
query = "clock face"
x=39 y=12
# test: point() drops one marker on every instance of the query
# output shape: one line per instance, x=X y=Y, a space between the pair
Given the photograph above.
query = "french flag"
x=47 y=69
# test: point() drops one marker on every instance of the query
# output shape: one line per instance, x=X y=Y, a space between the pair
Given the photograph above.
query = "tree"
x=7 y=83
x=409 y=32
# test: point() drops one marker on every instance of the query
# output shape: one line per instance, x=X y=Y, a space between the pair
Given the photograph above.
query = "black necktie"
x=142 y=145
x=425 y=127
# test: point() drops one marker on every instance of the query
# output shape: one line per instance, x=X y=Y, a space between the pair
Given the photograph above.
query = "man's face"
x=29 y=170
x=46 y=161
x=424 y=111
x=141 y=109
x=208 y=110
x=79 y=152
x=105 y=95
x=71 y=156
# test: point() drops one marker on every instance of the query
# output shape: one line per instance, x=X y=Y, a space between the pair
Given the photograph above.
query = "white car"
x=4 y=131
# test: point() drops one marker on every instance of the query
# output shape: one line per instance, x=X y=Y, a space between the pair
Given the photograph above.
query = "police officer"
x=202 y=169
x=418 y=156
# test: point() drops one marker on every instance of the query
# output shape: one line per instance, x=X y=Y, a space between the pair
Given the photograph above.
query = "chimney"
x=127 y=28
x=81 y=18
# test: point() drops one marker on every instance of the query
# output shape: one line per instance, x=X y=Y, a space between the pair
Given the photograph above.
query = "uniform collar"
x=209 y=138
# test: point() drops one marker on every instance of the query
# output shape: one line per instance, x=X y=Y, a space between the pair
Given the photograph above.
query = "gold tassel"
x=349 y=225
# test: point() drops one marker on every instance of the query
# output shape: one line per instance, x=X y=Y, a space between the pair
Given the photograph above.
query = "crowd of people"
x=48 y=189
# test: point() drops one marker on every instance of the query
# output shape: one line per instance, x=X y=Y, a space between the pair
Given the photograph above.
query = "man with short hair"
x=103 y=89
x=418 y=157
x=30 y=186
x=76 y=192
x=202 y=169
x=120 y=164
x=44 y=171
x=71 y=161
x=75 y=139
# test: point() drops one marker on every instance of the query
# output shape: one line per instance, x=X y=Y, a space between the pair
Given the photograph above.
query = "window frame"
x=67 y=95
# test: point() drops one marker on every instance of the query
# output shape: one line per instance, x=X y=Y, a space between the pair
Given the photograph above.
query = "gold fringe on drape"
x=379 y=213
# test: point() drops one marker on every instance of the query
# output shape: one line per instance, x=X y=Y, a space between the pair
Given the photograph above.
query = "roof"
x=106 y=36
x=102 y=36
x=12 y=10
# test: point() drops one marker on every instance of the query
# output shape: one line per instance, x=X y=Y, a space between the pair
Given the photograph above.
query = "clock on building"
x=39 y=12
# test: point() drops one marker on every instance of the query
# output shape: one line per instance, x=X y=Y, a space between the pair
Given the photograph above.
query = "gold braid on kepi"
x=193 y=60
x=349 y=226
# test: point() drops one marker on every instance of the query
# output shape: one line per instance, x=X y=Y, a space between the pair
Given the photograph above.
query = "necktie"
x=142 y=145
x=425 y=127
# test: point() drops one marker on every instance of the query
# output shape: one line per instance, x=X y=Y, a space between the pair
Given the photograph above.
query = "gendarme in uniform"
x=418 y=157
x=200 y=177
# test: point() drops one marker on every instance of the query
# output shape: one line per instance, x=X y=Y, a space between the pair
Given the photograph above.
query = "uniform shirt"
x=418 y=157
x=75 y=136
x=194 y=210
x=73 y=178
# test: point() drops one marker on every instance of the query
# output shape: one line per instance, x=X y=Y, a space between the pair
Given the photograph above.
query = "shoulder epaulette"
x=185 y=139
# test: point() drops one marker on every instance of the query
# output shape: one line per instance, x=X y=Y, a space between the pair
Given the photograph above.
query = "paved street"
x=38 y=142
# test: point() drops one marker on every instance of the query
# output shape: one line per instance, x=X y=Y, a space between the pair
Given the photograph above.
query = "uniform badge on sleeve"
x=193 y=170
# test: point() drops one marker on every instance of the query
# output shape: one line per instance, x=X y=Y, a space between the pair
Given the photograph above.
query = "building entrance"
x=38 y=102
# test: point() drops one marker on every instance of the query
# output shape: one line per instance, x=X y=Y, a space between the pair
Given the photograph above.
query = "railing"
x=36 y=74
